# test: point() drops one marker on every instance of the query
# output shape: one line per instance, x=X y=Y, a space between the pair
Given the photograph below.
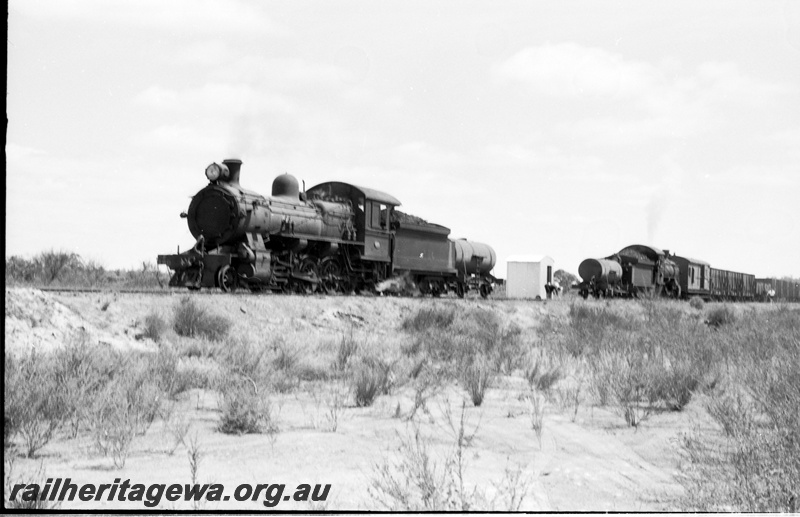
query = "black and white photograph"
x=402 y=256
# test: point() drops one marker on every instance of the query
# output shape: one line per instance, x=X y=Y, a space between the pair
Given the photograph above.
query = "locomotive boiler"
x=335 y=237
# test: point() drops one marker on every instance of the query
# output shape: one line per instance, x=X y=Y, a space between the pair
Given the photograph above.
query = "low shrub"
x=753 y=465
x=196 y=373
x=426 y=318
x=348 y=348
x=540 y=377
x=35 y=405
x=674 y=385
x=192 y=320
x=244 y=410
x=721 y=315
x=125 y=408
x=696 y=303
x=245 y=358
x=154 y=327
x=368 y=381
x=286 y=359
x=25 y=500
x=476 y=378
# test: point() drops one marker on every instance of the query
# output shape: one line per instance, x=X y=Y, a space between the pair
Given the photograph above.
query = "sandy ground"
x=591 y=462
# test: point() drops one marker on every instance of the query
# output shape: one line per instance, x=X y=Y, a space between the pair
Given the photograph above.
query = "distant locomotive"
x=335 y=237
x=639 y=269
x=634 y=270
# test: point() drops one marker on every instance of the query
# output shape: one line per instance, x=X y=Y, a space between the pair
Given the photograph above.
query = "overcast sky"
x=565 y=128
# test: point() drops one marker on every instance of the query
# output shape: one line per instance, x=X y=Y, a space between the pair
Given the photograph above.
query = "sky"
x=565 y=128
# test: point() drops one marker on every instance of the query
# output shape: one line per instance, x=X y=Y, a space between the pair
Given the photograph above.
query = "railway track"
x=176 y=291
x=163 y=292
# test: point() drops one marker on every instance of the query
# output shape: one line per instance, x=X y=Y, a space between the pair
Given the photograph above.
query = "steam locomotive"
x=335 y=237
x=638 y=269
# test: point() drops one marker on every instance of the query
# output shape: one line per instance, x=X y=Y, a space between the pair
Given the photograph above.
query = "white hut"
x=527 y=276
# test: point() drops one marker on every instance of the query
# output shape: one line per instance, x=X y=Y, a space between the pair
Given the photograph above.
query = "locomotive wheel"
x=308 y=268
x=329 y=276
x=227 y=279
x=484 y=291
x=460 y=290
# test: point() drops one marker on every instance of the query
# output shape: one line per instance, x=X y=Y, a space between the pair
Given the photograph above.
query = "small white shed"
x=527 y=276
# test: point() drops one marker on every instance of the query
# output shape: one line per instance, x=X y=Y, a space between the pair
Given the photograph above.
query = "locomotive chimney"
x=234 y=166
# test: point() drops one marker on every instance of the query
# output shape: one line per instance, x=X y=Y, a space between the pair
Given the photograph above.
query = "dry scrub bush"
x=117 y=394
x=34 y=402
x=154 y=327
x=415 y=482
x=720 y=315
x=476 y=377
x=372 y=377
x=333 y=396
x=125 y=408
x=696 y=303
x=455 y=338
x=27 y=499
x=244 y=410
x=569 y=397
x=535 y=404
x=642 y=366
x=589 y=326
x=541 y=377
x=348 y=347
x=427 y=381
x=285 y=359
x=438 y=316
x=45 y=391
x=192 y=320
x=367 y=382
x=420 y=481
x=753 y=464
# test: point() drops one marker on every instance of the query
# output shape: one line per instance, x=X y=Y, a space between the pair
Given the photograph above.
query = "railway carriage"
x=695 y=276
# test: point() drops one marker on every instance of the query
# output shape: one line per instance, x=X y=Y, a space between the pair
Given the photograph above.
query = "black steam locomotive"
x=335 y=237
x=645 y=270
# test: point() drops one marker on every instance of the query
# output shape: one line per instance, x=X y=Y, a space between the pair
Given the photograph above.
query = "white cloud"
x=572 y=70
x=724 y=82
x=568 y=69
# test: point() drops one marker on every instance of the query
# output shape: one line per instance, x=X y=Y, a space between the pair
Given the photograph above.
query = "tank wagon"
x=334 y=237
x=640 y=269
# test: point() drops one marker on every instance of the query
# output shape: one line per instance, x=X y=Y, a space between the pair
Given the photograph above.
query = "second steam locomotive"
x=335 y=237
x=645 y=270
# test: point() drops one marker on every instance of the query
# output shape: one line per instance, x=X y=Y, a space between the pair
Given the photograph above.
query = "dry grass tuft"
x=192 y=320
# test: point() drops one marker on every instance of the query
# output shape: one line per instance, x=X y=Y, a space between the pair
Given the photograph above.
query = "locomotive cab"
x=372 y=209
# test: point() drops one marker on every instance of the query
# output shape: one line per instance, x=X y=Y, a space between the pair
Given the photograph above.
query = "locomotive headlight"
x=216 y=171
x=213 y=172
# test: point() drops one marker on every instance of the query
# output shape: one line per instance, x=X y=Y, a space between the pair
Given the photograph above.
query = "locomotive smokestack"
x=234 y=166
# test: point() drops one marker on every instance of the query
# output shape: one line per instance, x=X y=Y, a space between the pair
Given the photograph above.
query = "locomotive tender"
x=335 y=237
x=640 y=269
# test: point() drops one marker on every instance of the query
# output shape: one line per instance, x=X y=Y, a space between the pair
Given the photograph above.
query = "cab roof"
x=350 y=191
